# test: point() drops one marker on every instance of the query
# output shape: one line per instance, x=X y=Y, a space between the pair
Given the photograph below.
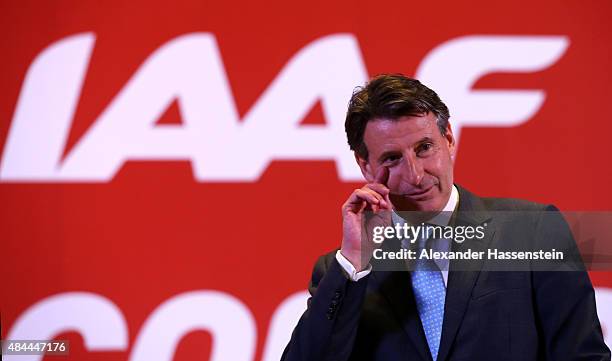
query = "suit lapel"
x=463 y=274
x=396 y=288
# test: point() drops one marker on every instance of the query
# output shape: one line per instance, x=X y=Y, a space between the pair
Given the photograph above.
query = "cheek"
x=441 y=168
x=393 y=181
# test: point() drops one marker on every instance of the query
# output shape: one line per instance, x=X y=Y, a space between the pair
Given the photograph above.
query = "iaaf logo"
x=189 y=69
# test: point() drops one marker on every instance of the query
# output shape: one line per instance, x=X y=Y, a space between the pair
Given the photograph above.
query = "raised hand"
x=367 y=207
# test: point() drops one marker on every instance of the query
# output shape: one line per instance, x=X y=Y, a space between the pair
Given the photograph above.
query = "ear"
x=365 y=167
x=450 y=138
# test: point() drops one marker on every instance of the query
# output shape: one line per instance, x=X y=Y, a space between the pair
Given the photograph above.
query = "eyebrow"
x=393 y=152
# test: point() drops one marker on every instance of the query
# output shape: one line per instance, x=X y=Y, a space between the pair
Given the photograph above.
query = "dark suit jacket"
x=489 y=315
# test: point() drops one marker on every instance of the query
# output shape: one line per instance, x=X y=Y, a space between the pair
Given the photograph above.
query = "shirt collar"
x=442 y=218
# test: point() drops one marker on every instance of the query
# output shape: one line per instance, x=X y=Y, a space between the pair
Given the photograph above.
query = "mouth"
x=420 y=194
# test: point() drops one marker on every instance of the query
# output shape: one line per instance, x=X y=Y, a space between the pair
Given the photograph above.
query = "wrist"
x=355 y=258
x=349 y=270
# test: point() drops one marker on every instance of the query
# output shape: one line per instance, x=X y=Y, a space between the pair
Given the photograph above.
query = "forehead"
x=381 y=134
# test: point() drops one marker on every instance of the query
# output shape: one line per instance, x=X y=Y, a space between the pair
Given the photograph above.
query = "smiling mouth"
x=419 y=194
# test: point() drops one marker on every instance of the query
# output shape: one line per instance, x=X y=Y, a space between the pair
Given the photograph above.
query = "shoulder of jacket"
x=512 y=204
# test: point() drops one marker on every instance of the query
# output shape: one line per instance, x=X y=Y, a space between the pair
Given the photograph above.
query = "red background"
x=153 y=231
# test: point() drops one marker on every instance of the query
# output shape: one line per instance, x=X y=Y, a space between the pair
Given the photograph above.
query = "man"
x=363 y=309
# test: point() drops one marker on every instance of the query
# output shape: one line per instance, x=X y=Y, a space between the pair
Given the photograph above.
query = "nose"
x=412 y=171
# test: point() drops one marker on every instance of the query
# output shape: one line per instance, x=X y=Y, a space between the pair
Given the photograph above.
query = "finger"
x=362 y=206
x=384 y=192
x=369 y=196
x=388 y=205
x=381 y=199
x=383 y=204
x=376 y=194
x=355 y=205
x=382 y=175
x=378 y=188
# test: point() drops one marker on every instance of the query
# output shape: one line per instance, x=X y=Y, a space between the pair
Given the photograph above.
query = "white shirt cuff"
x=350 y=270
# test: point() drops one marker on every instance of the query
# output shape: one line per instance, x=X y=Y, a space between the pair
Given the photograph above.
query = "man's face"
x=419 y=159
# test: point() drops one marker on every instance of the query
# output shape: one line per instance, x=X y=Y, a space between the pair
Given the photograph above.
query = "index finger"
x=382 y=175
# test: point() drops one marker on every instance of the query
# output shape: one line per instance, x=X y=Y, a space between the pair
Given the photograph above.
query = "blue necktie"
x=429 y=292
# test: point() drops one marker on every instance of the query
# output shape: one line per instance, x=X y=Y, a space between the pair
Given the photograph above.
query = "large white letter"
x=283 y=322
x=44 y=111
x=229 y=321
x=98 y=320
x=452 y=68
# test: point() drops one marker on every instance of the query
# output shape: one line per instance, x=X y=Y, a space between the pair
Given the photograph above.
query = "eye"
x=424 y=148
x=391 y=158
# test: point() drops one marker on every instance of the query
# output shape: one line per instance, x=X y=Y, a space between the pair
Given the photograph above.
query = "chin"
x=421 y=205
x=430 y=206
